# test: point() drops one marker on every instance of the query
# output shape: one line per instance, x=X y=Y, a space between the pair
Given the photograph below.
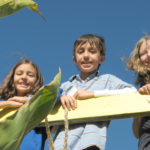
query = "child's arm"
x=13 y=102
x=135 y=127
x=10 y=104
x=70 y=102
x=19 y=99
x=84 y=94
x=137 y=121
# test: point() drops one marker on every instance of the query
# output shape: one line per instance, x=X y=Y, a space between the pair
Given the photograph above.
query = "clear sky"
x=49 y=44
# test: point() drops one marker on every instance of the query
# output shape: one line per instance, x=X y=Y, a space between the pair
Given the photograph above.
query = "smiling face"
x=24 y=78
x=144 y=53
x=87 y=58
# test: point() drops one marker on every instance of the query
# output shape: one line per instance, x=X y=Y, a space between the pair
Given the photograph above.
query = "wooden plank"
x=98 y=109
x=104 y=108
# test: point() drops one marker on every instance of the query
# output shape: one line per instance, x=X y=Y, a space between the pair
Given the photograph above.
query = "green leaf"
x=16 y=126
x=8 y=7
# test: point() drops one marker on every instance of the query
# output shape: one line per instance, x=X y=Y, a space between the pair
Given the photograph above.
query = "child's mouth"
x=23 y=85
x=86 y=65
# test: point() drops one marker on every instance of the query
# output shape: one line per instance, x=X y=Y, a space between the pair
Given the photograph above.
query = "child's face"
x=87 y=59
x=24 y=78
x=145 y=53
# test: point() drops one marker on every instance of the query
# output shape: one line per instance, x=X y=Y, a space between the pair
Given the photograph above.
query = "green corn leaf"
x=16 y=126
x=8 y=7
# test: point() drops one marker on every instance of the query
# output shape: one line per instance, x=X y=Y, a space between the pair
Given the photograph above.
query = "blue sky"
x=49 y=44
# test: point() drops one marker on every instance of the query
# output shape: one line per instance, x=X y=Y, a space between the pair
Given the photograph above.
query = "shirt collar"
x=92 y=76
x=77 y=77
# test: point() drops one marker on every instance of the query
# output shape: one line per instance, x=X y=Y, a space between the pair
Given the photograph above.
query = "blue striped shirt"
x=82 y=136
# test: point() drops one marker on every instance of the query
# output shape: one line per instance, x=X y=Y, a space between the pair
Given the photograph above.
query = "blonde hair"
x=134 y=63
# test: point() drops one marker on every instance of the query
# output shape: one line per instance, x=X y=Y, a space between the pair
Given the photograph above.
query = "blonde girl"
x=139 y=61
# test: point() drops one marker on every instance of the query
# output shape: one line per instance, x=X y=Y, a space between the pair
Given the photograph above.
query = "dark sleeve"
x=59 y=94
x=144 y=134
x=42 y=131
x=145 y=125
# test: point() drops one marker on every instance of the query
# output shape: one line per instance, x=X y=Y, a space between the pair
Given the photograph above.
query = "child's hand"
x=145 y=89
x=12 y=104
x=18 y=99
x=83 y=94
x=68 y=102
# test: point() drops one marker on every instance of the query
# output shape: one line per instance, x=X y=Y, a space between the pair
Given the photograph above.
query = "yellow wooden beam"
x=104 y=108
x=97 y=109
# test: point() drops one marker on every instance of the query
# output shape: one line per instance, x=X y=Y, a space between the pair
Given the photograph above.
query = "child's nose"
x=86 y=54
x=24 y=76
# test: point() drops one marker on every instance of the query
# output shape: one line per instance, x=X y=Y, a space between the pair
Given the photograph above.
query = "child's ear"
x=74 y=60
x=102 y=58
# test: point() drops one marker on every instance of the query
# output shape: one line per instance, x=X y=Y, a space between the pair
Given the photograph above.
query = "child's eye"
x=80 y=51
x=143 y=53
x=19 y=73
x=31 y=75
x=93 y=51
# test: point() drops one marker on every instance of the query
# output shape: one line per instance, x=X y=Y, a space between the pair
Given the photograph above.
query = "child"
x=88 y=56
x=140 y=62
x=23 y=81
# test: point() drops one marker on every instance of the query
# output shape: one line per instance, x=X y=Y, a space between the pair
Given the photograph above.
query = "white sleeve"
x=107 y=92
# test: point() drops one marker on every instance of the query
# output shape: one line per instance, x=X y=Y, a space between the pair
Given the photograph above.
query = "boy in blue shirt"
x=88 y=55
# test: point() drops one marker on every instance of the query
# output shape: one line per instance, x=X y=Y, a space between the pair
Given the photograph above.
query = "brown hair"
x=134 y=63
x=98 y=41
x=7 y=90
